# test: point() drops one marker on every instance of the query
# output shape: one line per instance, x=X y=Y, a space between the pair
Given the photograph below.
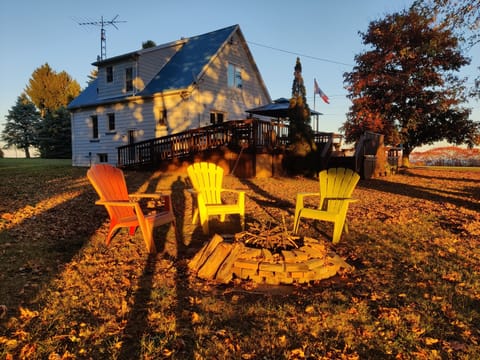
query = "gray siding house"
x=153 y=92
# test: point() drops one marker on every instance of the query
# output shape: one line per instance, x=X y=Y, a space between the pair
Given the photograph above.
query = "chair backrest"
x=110 y=185
x=207 y=178
x=336 y=183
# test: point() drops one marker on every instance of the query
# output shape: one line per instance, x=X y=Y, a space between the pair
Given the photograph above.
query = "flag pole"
x=314 y=109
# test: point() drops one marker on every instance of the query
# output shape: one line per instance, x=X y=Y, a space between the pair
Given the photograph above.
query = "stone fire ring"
x=221 y=261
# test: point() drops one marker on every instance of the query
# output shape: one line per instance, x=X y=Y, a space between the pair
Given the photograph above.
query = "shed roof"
x=276 y=109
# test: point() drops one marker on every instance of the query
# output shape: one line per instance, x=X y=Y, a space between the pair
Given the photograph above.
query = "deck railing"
x=251 y=134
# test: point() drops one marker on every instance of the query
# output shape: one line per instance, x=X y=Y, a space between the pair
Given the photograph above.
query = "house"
x=153 y=92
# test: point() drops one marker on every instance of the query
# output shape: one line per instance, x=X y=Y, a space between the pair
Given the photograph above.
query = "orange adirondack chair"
x=207 y=180
x=336 y=188
x=124 y=209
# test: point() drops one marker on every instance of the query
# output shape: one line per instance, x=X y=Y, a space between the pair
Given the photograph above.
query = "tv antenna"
x=103 y=35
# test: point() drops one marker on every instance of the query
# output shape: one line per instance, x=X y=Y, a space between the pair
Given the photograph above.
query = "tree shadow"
x=424 y=193
x=267 y=200
x=36 y=248
x=455 y=175
x=137 y=322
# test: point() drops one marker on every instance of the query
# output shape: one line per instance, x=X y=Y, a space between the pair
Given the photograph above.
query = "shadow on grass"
x=267 y=201
x=36 y=248
x=440 y=196
x=456 y=175
x=137 y=321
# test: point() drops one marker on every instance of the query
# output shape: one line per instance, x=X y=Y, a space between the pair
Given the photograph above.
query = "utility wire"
x=298 y=54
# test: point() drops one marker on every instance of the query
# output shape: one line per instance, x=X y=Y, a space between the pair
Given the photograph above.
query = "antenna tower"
x=103 y=35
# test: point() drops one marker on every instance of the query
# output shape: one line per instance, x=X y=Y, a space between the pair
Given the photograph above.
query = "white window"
x=128 y=79
x=234 y=76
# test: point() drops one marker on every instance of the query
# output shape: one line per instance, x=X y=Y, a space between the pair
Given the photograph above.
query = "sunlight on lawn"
x=414 y=293
x=17 y=217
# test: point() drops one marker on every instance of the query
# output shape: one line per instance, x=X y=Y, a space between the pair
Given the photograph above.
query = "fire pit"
x=266 y=254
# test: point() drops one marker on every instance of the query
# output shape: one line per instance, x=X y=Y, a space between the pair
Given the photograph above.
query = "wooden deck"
x=249 y=137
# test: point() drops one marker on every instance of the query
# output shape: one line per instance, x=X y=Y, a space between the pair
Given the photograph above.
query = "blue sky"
x=324 y=34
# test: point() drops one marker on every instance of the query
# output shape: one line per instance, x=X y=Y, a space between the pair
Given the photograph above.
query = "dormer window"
x=109 y=75
x=129 y=79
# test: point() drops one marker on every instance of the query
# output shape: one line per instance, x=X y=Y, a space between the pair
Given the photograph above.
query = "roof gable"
x=187 y=64
x=181 y=71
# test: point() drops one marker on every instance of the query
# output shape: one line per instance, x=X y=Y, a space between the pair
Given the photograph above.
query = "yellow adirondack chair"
x=124 y=209
x=336 y=188
x=207 y=180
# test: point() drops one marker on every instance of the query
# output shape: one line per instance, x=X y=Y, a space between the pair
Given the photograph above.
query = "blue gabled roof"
x=185 y=66
x=179 y=73
x=86 y=97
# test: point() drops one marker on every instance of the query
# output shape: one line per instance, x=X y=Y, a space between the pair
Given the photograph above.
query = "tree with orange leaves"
x=405 y=86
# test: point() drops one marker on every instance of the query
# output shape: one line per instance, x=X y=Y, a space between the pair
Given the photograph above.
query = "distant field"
x=450 y=168
x=23 y=162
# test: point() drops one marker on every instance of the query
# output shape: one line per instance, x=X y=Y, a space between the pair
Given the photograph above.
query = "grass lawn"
x=414 y=294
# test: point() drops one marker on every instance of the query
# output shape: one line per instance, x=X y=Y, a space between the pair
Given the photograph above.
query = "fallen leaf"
x=430 y=341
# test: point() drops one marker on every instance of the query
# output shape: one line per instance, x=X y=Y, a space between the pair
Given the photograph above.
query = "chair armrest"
x=302 y=195
x=165 y=197
x=240 y=196
x=299 y=202
x=115 y=203
x=145 y=196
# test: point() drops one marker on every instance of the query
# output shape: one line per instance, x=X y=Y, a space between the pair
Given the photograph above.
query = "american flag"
x=317 y=90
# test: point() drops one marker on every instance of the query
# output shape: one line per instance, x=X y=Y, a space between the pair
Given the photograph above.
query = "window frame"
x=109 y=74
x=95 y=133
x=217 y=117
x=129 y=79
x=234 y=76
x=102 y=157
x=110 y=121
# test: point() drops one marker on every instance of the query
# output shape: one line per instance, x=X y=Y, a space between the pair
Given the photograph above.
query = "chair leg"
x=111 y=232
x=195 y=216
x=132 y=230
x=296 y=223
x=147 y=232
x=337 y=231
x=203 y=220
x=205 y=226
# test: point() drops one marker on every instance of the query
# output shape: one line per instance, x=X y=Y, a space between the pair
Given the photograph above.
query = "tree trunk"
x=406 y=157
x=27 y=153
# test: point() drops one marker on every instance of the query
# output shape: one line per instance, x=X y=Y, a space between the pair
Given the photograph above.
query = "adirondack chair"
x=207 y=180
x=336 y=188
x=123 y=208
